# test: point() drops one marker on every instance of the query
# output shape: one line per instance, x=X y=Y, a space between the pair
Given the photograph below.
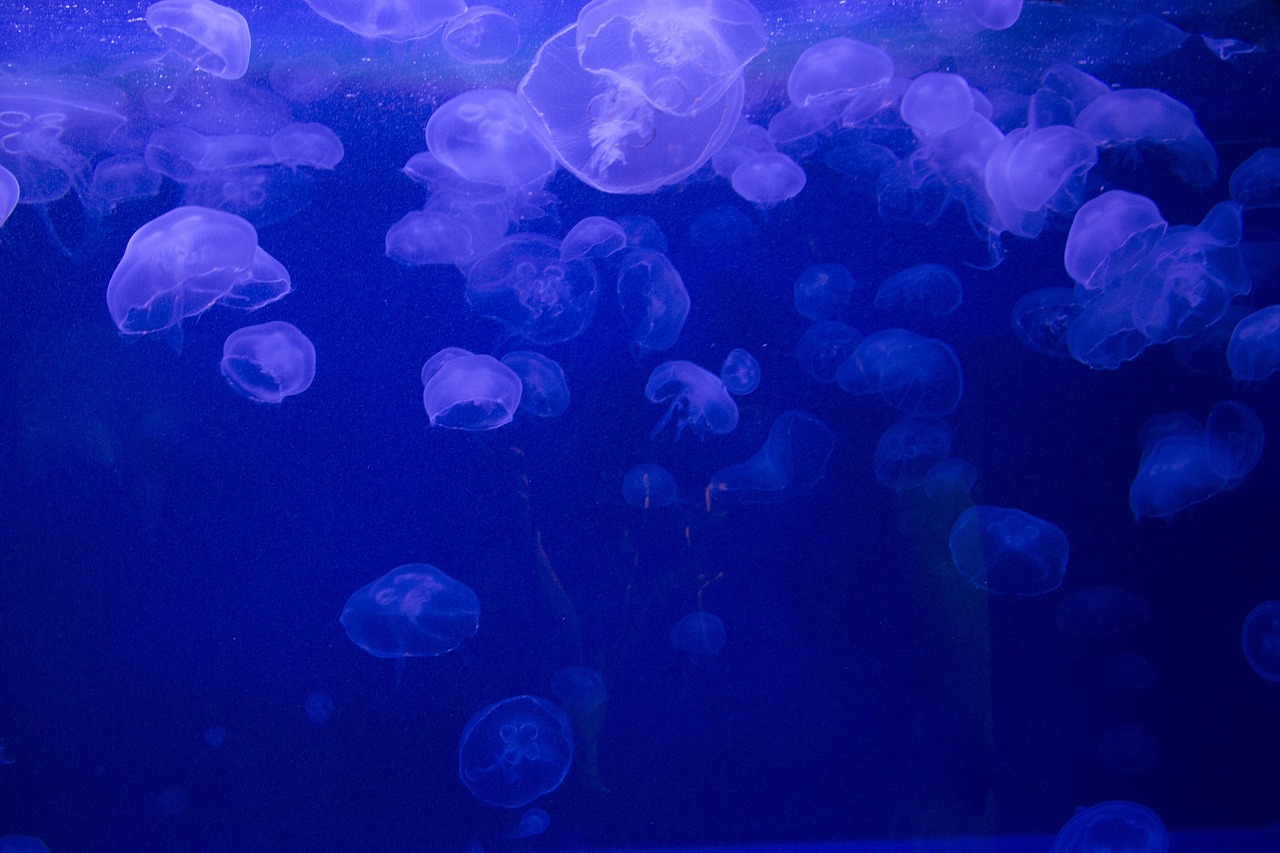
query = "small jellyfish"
x=824 y=347
x=414 y=610
x=935 y=103
x=930 y=289
x=950 y=477
x=268 y=362
x=994 y=14
x=472 y=392
x=533 y=822
x=578 y=689
x=648 y=486
x=120 y=177
x=514 y=751
x=210 y=36
x=698 y=399
x=914 y=374
x=319 y=707
x=1234 y=437
x=5 y=757
x=485 y=136
x=481 y=35
x=908 y=450
x=791 y=462
x=1256 y=181
x=768 y=178
x=1042 y=318
x=422 y=237
x=307 y=78
x=1260 y=638
x=653 y=299
x=22 y=844
x=1118 y=825
x=1006 y=551
x=306 y=144
x=525 y=284
x=840 y=74
x=1174 y=472
x=9 y=193
x=740 y=372
x=700 y=635
x=1253 y=353
x=394 y=20
x=593 y=237
x=546 y=392
x=822 y=290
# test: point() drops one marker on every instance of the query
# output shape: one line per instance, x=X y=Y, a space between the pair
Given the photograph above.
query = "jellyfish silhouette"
x=515 y=750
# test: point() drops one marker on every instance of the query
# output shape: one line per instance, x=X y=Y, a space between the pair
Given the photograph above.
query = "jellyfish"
x=1136 y=118
x=745 y=141
x=422 y=237
x=9 y=192
x=935 y=103
x=472 y=392
x=1101 y=611
x=319 y=707
x=914 y=374
x=700 y=635
x=1064 y=91
x=740 y=372
x=1034 y=172
x=648 y=486
x=822 y=290
x=209 y=35
x=120 y=177
x=994 y=14
x=653 y=299
x=306 y=144
x=1260 y=638
x=1008 y=551
x=791 y=462
x=768 y=178
x=1253 y=353
x=698 y=399
x=1234 y=437
x=950 y=477
x=533 y=822
x=432 y=365
x=930 y=289
x=481 y=35
x=824 y=347
x=680 y=56
x=1042 y=318
x=1108 y=235
x=1117 y=825
x=1256 y=181
x=393 y=20
x=268 y=362
x=1181 y=462
x=414 y=610
x=593 y=237
x=524 y=283
x=514 y=751
x=546 y=392
x=840 y=75
x=306 y=78
x=578 y=689
x=22 y=844
x=485 y=136
x=908 y=450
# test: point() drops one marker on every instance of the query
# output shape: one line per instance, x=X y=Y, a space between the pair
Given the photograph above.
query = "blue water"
x=175 y=557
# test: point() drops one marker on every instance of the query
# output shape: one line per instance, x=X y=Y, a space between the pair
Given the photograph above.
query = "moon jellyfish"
x=268 y=362
x=740 y=372
x=215 y=736
x=950 y=477
x=1256 y=181
x=423 y=237
x=393 y=20
x=578 y=689
x=1132 y=118
x=472 y=392
x=914 y=374
x=593 y=237
x=524 y=283
x=648 y=486
x=697 y=399
x=653 y=299
x=546 y=392
x=485 y=136
x=700 y=635
x=319 y=707
x=994 y=14
x=822 y=290
x=1118 y=826
x=414 y=610
x=824 y=346
x=514 y=751
x=210 y=36
x=935 y=103
x=9 y=192
x=930 y=289
x=120 y=177
x=307 y=78
x=1031 y=173
x=1042 y=318
x=1101 y=611
x=679 y=55
x=1234 y=437
x=1260 y=638
x=481 y=35
x=1106 y=234
x=308 y=144
x=1007 y=551
x=768 y=178
x=908 y=451
x=791 y=462
x=840 y=75
x=533 y=822
x=1253 y=353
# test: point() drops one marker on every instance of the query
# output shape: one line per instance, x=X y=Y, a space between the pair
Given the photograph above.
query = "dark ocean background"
x=174 y=557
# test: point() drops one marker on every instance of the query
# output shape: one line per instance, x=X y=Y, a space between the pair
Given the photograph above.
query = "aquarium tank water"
x=546 y=425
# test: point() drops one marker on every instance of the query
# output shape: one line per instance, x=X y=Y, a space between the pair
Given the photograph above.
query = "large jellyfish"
x=515 y=750
x=210 y=36
x=414 y=610
x=471 y=392
x=524 y=283
x=484 y=135
x=1006 y=550
x=698 y=399
x=653 y=299
x=1130 y=118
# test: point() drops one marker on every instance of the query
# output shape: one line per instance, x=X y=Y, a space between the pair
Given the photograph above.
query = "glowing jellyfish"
x=215 y=736
x=647 y=486
x=700 y=635
x=423 y=237
x=578 y=689
x=824 y=346
x=924 y=289
x=908 y=451
x=472 y=392
x=546 y=392
x=120 y=177
x=1234 y=437
x=697 y=399
x=1007 y=551
x=768 y=178
x=1042 y=318
x=822 y=290
x=268 y=362
x=306 y=78
x=533 y=822
x=1256 y=181
x=593 y=237
x=1145 y=118
x=484 y=135
x=840 y=74
x=524 y=283
x=22 y=844
x=514 y=751
x=414 y=610
x=914 y=374
x=950 y=477
x=740 y=372
x=1107 y=233
x=791 y=462
x=1119 y=826
x=482 y=35
x=994 y=14
x=1260 y=638
x=935 y=103
x=210 y=36
x=9 y=192
x=306 y=144
x=1253 y=353
x=394 y=20
x=653 y=299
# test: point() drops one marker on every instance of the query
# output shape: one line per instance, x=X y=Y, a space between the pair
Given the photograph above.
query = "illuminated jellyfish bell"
x=653 y=299
x=593 y=237
x=768 y=178
x=1064 y=91
x=578 y=689
x=1106 y=234
x=472 y=392
x=914 y=374
x=1256 y=181
x=994 y=14
x=700 y=635
x=319 y=707
x=524 y=283
x=930 y=289
x=481 y=35
x=533 y=822
x=1008 y=551
x=514 y=751
x=950 y=477
x=1234 y=438
x=839 y=75
x=1147 y=118
x=210 y=36
x=268 y=362
x=1260 y=639
x=422 y=237
x=485 y=136
x=740 y=372
x=546 y=391
x=118 y=178
x=414 y=610
x=790 y=464
x=1118 y=826
x=306 y=144
x=393 y=20
x=9 y=191
x=1253 y=353
x=306 y=78
x=648 y=486
x=909 y=450
x=679 y=55
x=936 y=102
x=1042 y=318
x=1033 y=172
x=822 y=290
x=824 y=346
x=697 y=399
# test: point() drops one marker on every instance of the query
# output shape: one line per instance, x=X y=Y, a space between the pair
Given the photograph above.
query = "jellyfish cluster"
x=748 y=264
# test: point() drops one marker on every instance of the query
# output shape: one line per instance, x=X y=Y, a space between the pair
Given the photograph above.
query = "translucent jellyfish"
x=187 y=155
x=306 y=144
x=1103 y=335
x=1234 y=437
x=1260 y=638
x=1174 y=472
x=414 y=610
x=210 y=36
x=740 y=372
x=593 y=237
x=5 y=758
x=1042 y=318
x=1107 y=234
x=22 y=844
x=908 y=450
x=768 y=178
x=791 y=462
x=994 y=14
x=307 y=78
x=648 y=486
x=1129 y=749
x=653 y=299
x=680 y=56
x=268 y=362
x=824 y=346
x=1006 y=550
x=840 y=74
x=1064 y=91
x=914 y=374
x=578 y=689
x=472 y=392
x=924 y=289
x=423 y=237
x=546 y=392
x=485 y=136
x=1118 y=825
x=822 y=290
x=700 y=635
x=524 y=283
x=935 y=103
x=120 y=177
x=9 y=192
x=1034 y=172
x=393 y=20
x=432 y=365
x=215 y=736
x=604 y=131
x=698 y=399
x=1256 y=181
x=1253 y=353
x=533 y=822
x=1136 y=118
x=643 y=232
x=482 y=35
x=1101 y=611
x=745 y=141
x=514 y=751
x=319 y=707
x=950 y=477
